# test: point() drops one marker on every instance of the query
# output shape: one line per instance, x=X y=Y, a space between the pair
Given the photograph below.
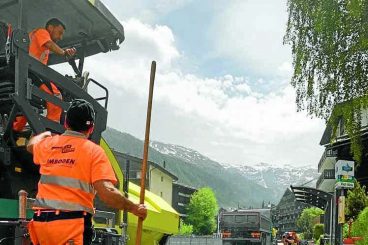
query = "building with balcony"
x=285 y=214
x=158 y=179
x=339 y=149
x=326 y=181
x=326 y=165
x=181 y=197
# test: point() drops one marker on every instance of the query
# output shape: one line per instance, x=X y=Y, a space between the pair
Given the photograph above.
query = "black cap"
x=80 y=115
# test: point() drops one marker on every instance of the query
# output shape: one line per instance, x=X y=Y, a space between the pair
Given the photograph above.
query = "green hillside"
x=230 y=187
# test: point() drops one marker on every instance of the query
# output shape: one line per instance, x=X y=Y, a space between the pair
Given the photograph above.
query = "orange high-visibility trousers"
x=53 y=111
x=76 y=231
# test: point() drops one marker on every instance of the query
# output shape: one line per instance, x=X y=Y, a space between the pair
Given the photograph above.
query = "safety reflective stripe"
x=67 y=182
x=60 y=205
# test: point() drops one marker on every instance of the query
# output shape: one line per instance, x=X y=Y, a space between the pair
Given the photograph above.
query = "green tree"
x=306 y=221
x=185 y=229
x=356 y=201
x=202 y=211
x=360 y=227
x=317 y=231
x=345 y=230
x=329 y=41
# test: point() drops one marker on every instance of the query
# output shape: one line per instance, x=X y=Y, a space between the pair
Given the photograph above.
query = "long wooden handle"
x=145 y=149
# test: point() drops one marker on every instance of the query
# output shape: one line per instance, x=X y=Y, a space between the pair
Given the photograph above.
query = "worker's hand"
x=139 y=210
x=70 y=52
x=45 y=134
x=36 y=139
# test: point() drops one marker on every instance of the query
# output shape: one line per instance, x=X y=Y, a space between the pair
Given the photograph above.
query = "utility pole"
x=344 y=176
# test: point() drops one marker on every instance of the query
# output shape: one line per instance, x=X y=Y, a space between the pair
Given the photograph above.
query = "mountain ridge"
x=233 y=185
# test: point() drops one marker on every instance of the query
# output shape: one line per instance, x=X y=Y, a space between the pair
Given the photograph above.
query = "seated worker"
x=295 y=237
x=42 y=41
x=73 y=169
x=291 y=238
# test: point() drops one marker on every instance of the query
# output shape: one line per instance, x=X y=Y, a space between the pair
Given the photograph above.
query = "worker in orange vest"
x=72 y=170
x=42 y=41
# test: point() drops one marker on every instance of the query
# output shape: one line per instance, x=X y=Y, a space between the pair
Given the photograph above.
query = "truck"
x=245 y=227
x=92 y=29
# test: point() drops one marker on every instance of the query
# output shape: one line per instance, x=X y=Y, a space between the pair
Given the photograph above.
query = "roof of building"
x=311 y=196
x=139 y=160
x=342 y=140
x=327 y=134
x=186 y=186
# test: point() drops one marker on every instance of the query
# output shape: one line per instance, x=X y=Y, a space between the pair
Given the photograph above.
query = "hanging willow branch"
x=329 y=41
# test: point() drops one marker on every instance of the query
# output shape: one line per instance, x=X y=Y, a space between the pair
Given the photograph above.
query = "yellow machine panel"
x=161 y=219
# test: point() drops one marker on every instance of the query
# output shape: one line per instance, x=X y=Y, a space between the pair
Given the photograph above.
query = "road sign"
x=344 y=168
x=344 y=185
x=344 y=174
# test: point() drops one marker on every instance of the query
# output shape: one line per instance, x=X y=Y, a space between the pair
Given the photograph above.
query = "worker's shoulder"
x=39 y=32
x=95 y=150
x=88 y=147
x=89 y=144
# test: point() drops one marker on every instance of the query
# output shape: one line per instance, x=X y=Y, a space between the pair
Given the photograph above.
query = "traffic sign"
x=344 y=185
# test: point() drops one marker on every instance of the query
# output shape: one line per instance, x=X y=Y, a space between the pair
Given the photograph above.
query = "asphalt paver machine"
x=91 y=29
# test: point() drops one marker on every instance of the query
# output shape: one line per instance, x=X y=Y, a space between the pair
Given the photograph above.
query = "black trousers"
x=48 y=216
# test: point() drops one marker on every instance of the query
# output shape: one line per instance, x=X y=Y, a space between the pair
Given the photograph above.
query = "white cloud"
x=166 y=6
x=129 y=67
x=146 y=10
x=219 y=116
x=251 y=32
x=285 y=69
x=260 y=119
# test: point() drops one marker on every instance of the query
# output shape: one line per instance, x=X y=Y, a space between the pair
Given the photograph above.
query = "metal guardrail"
x=194 y=240
x=327 y=153
x=326 y=174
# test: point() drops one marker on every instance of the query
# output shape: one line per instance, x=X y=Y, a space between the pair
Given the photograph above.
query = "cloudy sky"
x=222 y=82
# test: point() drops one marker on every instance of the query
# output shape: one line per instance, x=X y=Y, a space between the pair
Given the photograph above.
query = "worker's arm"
x=37 y=139
x=59 y=51
x=113 y=198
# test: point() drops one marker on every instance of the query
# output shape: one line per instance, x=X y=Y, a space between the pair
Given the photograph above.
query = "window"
x=183 y=194
x=161 y=194
x=228 y=218
x=252 y=218
x=138 y=174
x=240 y=218
x=162 y=178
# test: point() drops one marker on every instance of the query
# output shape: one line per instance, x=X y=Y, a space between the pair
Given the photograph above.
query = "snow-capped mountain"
x=186 y=154
x=267 y=175
x=233 y=185
x=270 y=176
x=264 y=174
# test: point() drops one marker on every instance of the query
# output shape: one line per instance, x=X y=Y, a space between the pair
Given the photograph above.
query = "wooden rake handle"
x=145 y=149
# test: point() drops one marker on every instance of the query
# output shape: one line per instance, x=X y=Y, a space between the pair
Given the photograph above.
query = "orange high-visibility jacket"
x=37 y=49
x=69 y=165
